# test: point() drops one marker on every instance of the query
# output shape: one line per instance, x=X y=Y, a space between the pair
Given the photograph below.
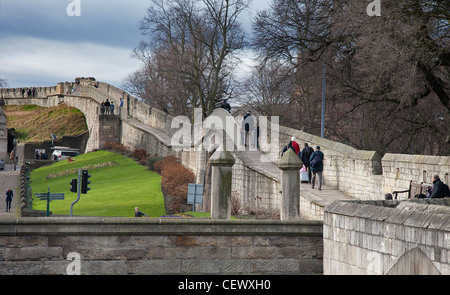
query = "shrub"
x=159 y=165
x=151 y=162
x=140 y=154
x=115 y=146
x=174 y=183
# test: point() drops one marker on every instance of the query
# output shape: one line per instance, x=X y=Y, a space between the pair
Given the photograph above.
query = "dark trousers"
x=8 y=205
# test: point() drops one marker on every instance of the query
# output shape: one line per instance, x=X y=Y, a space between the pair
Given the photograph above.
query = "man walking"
x=316 y=162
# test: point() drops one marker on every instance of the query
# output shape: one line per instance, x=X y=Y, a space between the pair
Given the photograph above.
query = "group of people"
x=107 y=107
x=40 y=155
x=312 y=160
x=31 y=92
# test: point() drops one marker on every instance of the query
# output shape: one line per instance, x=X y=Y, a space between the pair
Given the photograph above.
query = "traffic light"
x=84 y=181
x=73 y=185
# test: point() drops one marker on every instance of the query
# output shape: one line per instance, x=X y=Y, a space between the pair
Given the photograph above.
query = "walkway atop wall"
x=161 y=136
x=257 y=161
x=252 y=159
x=9 y=178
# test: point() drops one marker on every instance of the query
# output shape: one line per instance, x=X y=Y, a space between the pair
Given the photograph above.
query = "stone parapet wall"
x=399 y=170
x=387 y=237
x=257 y=192
x=116 y=246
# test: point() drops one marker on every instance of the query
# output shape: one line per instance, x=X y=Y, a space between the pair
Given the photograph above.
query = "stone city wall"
x=361 y=174
x=116 y=246
x=387 y=237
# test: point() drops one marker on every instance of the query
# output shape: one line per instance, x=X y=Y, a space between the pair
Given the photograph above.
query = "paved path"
x=258 y=162
x=327 y=195
x=9 y=178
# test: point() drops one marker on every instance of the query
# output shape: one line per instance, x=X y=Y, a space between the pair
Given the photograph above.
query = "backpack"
x=316 y=162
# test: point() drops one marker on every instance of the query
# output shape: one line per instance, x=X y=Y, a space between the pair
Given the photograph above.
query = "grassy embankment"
x=34 y=124
x=115 y=189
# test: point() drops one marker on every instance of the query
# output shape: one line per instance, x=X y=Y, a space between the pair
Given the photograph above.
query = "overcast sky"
x=41 y=45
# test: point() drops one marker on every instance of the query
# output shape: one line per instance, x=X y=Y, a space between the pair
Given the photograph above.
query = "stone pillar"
x=290 y=165
x=221 y=165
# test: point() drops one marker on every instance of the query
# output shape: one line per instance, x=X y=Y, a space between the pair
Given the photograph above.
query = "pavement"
x=257 y=161
x=326 y=195
x=9 y=178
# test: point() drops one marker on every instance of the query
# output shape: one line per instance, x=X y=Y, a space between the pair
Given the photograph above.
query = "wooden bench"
x=415 y=188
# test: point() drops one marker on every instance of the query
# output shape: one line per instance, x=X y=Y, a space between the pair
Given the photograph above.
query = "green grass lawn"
x=115 y=190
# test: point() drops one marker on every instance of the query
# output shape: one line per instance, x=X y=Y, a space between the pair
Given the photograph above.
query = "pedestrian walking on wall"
x=225 y=105
x=316 y=163
x=295 y=145
x=249 y=125
x=9 y=197
x=305 y=155
x=287 y=147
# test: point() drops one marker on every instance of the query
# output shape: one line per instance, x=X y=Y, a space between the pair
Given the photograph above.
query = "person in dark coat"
x=225 y=105
x=316 y=162
x=305 y=155
x=9 y=196
x=138 y=213
x=287 y=147
x=440 y=189
x=249 y=125
x=107 y=107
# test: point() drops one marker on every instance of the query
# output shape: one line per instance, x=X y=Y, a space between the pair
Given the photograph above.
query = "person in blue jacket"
x=316 y=164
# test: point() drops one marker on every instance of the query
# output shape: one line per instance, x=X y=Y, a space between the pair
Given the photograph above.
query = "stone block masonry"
x=121 y=246
x=387 y=237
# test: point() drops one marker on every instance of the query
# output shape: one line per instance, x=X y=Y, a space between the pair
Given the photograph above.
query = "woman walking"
x=9 y=196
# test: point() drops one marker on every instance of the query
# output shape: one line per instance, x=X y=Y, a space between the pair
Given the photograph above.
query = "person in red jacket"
x=295 y=145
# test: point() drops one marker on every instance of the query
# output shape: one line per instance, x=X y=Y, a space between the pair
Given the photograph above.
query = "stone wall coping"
x=418 y=159
x=327 y=144
x=86 y=226
x=429 y=214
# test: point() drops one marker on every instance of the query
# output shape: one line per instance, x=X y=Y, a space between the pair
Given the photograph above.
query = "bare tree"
x=194 y=41
x=269 y=89
x=387 y=77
